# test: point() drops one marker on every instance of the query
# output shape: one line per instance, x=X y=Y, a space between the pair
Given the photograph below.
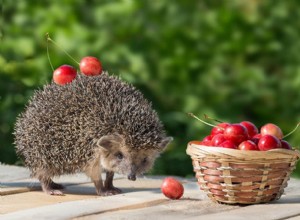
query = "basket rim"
x=195 y=149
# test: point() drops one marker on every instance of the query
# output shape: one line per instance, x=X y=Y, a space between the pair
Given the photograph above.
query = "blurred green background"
x=232 y=60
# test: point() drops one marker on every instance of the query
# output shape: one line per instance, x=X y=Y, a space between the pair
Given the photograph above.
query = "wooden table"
x=22 y=198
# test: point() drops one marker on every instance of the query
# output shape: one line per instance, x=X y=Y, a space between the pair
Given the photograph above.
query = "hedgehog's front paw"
x=51 y=188
x=110 y=191
x=114 y=190
x=53 y=192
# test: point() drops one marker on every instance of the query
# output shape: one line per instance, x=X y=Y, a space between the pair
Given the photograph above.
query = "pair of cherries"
x=89 y=66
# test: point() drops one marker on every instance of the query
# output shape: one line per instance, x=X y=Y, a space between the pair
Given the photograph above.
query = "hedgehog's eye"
x=144 y=160
x=119 y=155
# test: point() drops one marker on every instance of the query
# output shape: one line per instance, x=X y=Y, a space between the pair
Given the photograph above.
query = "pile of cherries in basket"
x=245 y=136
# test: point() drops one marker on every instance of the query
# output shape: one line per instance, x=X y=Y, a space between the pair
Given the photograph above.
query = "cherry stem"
x=216 y=120
x=52 y=41
x=194 y=116
x=47 y=35
x=292 y=131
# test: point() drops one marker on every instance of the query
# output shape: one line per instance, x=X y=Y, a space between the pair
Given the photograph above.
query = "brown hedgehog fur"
x=93 y=124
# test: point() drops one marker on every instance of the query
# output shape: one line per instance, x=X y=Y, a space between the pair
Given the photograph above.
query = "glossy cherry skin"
x=286 y=145
x=217 y=140
x=248 y=145
x=271 y=129
x=90 y=66
x=172 y=188
x=228 y=144
x=236 y=133
x=251 y=128
x=219 y=129
x=268 y=142
x=64 y=74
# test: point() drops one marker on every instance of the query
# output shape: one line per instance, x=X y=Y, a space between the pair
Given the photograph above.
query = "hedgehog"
x=95 y=124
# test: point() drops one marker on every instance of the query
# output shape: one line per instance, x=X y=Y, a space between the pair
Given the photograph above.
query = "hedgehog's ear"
x=108 y=141
x=165 y=142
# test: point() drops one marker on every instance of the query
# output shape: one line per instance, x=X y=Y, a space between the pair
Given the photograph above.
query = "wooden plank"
x=194 y=203
x=143 y=194
x=12 y=190
x=170 y=209
x=72 y=209
x=284 y=208
x=79 y=200
x=12 y=173
x=72 y=192
x=28 y=184
x=194 y=207
x=34 y=199
x=142 y=199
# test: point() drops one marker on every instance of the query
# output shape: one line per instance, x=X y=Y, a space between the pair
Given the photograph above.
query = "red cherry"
x=207 y=138
x=172 y=188
x=248 y=145
x=90 y=66
x=271 y=129
x=268 y=142
x=219 y=129
x=217 y=140
x=236 y=133
x=228 y=144
x=251 y=128
x=258 y=136
x=255 y=140
x=285 y=145
x=64 y=74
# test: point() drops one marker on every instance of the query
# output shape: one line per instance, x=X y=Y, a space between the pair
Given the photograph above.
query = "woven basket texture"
x=242 y=177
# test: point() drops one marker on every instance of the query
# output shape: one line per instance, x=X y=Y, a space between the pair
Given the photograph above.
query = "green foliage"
x=232 y=60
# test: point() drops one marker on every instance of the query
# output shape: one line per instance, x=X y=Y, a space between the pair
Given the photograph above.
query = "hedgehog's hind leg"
x=54 y=185
x=51 y=187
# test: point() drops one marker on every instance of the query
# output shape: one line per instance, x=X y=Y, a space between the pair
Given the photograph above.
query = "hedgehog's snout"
x=132 y=177
x=132 y=172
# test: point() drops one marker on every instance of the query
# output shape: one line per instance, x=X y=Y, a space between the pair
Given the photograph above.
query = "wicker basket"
x=242 y=177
